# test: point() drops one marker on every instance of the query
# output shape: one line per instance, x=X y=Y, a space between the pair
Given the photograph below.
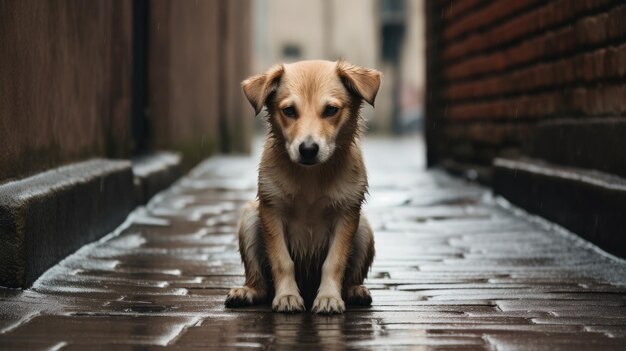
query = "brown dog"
x=306 y=230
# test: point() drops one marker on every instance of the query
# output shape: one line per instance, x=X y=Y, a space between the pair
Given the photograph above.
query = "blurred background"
x=388 y=35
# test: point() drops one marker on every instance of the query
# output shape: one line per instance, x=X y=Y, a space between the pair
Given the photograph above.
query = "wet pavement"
x=455 y=269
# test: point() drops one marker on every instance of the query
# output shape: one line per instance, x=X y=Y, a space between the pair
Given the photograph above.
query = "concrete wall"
x=199 y=54
x=66 y=84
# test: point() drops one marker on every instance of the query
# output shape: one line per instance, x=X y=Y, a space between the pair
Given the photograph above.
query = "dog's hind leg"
x=255 y=288
x=361 y=258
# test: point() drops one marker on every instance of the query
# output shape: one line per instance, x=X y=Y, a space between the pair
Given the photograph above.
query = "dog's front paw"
x=239 y=297
x=359 y=295
x=328 y=305
x=288 y=303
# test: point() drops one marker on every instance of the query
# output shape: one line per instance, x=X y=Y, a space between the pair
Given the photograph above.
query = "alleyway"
x=455 y=268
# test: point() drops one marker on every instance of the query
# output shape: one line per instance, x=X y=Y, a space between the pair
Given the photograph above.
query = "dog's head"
x=312 y=104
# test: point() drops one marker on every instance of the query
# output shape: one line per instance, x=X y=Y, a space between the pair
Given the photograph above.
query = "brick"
x=484 y=17
x=590 y=30
x=454 y=9
x=616 y=28
x=594 y=101
x=492 y=63
x=89 y=330
x=599 y=65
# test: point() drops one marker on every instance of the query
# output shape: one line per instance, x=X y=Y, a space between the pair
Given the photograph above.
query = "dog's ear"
x=259 y=88
x=361 y=81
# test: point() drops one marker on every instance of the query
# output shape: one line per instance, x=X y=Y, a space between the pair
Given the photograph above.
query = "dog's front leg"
x=328 y=298
x=287 y=297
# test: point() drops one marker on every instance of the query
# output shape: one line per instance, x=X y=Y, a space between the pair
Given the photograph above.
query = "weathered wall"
x=507 y=78
x=64 y=83
x=199 y=54
x=235 y=36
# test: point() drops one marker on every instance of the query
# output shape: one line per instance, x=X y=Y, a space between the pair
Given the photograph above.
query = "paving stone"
x=611 y=331
x=97 y=329
x=560 y=341
x=454 y=270
x=12 y=344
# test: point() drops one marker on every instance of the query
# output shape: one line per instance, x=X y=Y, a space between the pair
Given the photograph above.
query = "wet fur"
x=304 y=210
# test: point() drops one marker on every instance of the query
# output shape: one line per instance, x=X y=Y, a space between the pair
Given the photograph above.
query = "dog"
x=304 y=241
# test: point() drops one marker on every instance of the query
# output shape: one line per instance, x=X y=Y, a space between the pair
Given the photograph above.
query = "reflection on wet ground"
x=454 y=269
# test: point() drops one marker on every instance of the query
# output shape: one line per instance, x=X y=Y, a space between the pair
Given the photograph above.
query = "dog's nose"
x=308 y=151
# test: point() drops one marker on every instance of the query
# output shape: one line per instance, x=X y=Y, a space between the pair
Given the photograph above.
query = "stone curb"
x=45 y=217
x=592 y=204
x=48 y=216
x=155 y=172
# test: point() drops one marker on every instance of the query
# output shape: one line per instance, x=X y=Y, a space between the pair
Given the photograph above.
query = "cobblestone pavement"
x=454 y=270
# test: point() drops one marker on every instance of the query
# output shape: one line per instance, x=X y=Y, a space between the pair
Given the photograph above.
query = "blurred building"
x=292 y=30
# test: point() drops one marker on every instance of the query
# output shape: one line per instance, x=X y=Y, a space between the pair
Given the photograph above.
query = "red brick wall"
x=498 y=70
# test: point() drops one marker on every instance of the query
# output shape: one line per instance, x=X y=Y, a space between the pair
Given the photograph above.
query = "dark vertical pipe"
x=434 y=117
x=140 y=118
x=224 y=137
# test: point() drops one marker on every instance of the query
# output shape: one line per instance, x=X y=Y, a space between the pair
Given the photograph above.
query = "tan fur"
x=307 y=224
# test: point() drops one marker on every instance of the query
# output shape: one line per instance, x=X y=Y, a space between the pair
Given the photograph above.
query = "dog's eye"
x=330 y=111
x=290 y=111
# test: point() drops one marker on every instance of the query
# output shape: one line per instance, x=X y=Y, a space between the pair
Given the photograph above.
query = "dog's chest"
x=308 y=225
